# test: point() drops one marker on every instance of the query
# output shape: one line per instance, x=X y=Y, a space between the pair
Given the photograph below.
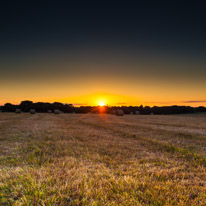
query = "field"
x=92 y=159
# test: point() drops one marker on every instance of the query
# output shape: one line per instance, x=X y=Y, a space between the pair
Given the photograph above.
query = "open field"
x=75 y=159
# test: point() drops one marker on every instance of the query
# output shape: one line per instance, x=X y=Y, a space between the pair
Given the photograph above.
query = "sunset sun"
x=101 y=104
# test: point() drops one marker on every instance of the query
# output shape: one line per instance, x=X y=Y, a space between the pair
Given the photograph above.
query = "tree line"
x=42 y=107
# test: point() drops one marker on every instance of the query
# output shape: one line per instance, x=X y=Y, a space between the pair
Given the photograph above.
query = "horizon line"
x=122 y=104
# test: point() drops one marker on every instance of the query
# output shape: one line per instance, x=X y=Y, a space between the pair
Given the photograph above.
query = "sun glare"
x=101 y=104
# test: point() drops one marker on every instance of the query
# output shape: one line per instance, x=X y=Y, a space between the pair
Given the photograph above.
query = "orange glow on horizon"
x=125 y=82
x=101 y=99
x=110 y=99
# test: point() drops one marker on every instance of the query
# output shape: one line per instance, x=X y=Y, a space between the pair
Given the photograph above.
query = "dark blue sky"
x=164 y=26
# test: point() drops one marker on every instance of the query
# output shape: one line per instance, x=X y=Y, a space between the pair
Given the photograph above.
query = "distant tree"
x=8 y=107
x=200 y=109
x=26 y=105
x=146 y=110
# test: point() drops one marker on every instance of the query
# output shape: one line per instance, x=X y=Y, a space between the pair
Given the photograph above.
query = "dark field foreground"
x=73 y=159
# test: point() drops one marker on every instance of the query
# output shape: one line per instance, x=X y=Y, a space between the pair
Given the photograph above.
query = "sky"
x=115 y=52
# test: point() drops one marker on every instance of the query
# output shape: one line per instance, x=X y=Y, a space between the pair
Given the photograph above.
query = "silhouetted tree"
x=26 y=105
x=8 y=107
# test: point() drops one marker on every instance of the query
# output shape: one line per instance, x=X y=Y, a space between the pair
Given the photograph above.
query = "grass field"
x=75 y=159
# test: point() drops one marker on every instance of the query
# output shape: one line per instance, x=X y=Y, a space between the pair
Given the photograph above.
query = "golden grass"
x=74 y=159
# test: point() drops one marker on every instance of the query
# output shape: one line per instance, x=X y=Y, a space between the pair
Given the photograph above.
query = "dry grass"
x=73 y=159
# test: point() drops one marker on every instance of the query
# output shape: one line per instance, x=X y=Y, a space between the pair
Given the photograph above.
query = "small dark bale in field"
x=18 y=111
x=49 y=111
x=113 y=112
x=57 y=111
x=119 y=112
x=137 y=112
x=32 y=111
